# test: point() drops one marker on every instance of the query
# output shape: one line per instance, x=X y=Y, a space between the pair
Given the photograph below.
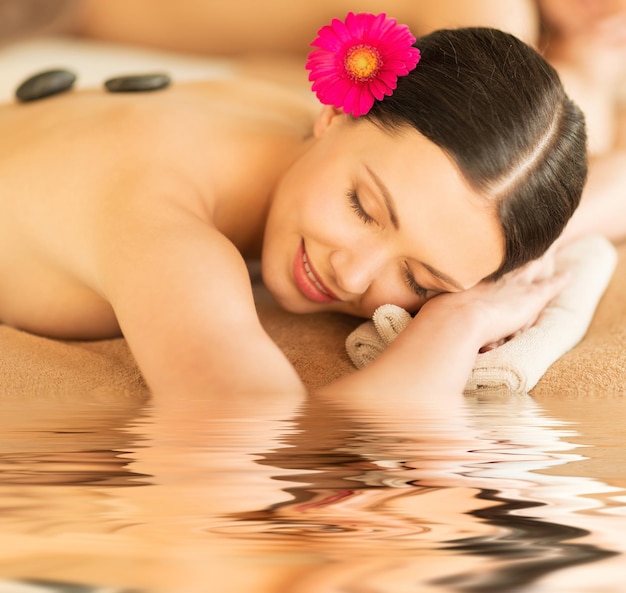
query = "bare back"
x=72 y=164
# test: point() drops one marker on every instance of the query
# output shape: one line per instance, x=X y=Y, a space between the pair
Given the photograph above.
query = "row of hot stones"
x=52 y=82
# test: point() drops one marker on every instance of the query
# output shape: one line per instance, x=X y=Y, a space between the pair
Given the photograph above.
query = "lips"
x=307 y=280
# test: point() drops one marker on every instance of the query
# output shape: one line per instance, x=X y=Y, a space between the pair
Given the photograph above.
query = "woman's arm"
x=434 y=356
x=183 y=298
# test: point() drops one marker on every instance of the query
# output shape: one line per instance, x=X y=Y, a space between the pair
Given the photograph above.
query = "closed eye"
x=356 y=205
x=420 y=291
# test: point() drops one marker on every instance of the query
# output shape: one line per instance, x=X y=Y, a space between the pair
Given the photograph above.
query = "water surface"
x=504 y=494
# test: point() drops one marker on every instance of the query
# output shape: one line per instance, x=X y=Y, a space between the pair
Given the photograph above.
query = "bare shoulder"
x=87 y=171
x=182 y=295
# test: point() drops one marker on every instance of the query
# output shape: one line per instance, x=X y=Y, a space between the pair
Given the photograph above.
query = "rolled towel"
x=517 y=365
x=368 y=340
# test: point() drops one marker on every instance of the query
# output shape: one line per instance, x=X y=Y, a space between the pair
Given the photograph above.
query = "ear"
x=324 y=119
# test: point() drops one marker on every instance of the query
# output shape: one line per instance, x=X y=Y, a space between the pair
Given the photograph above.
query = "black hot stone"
x=137 y=83
x=45 y=84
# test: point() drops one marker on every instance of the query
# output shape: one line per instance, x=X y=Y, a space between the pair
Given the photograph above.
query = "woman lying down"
x=430 y=171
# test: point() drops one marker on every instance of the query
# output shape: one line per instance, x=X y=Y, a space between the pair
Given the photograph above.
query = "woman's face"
x=364 y=217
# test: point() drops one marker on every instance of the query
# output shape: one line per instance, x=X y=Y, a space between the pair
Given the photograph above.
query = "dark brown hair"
x=500 y=112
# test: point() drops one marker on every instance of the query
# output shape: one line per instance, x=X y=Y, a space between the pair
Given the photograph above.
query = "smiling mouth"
x=307 y=280
x=311 y=275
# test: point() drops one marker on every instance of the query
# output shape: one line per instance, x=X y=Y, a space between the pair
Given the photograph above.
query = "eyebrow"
x=443 y=277
x=393 y=216
x=389 y=202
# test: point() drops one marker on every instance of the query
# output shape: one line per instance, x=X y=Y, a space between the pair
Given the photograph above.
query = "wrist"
x=448 y=315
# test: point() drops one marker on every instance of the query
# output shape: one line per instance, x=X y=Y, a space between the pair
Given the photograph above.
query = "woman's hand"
x=493 y=312
x=435 y=353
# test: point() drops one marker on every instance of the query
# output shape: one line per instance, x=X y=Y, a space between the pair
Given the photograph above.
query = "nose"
x=356 y=269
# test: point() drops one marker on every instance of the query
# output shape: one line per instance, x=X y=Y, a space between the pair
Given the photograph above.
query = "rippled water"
x=505 y=495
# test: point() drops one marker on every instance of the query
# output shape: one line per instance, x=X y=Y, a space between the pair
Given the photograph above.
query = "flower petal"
x=341 y=30
x=379 y=89
x=358 y=60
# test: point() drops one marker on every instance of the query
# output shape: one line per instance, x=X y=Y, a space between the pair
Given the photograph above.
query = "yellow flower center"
x=362 y=62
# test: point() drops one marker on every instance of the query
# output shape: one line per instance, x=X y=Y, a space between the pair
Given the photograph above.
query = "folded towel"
x=517 y=365
x=368 y=340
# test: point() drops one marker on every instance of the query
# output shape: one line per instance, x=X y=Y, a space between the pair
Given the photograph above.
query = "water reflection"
x=530 y=547
x=289 y=498
x=379 y=489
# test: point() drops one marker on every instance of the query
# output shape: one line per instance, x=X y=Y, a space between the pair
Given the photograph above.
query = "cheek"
x=293 y=206
x=324 y=215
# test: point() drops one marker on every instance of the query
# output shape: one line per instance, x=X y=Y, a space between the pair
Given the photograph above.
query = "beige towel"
x=517 y=365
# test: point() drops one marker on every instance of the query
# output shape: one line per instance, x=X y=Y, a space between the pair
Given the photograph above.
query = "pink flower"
x=360 y=60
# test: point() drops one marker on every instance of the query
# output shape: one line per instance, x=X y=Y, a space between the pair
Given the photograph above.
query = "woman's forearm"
x=431 y=360
x=432 y=357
